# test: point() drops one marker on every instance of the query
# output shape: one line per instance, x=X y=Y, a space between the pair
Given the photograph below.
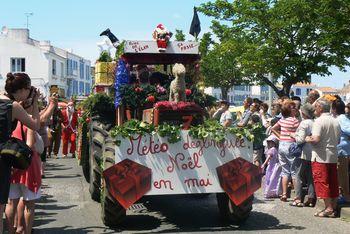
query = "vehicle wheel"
x=85 y=153
x=112 y=212
x=98 y=138
x=232 y=213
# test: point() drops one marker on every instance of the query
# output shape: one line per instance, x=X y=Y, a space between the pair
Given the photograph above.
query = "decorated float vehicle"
x=154 y=137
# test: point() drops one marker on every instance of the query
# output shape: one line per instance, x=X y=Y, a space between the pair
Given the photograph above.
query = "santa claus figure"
x=69 y=126
x=162 y=36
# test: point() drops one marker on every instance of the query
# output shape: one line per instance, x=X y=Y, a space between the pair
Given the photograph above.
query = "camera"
x=30 y=99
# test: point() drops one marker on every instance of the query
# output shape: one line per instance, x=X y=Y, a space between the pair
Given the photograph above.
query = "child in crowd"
x=273 y=170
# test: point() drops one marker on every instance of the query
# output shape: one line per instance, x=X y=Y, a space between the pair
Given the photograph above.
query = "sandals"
x=326 y=214
x=284 y=198
x=310 y=203
x=297 y=203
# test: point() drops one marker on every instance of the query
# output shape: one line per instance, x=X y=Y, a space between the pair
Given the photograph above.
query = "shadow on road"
x=47 y=206
x=193 y=214
x=69 y=229
x=48 y=176
x=139 y=223
x=55 y=166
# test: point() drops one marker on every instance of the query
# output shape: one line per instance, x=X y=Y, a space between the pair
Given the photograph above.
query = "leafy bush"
x=105 y=57
x=100 y=105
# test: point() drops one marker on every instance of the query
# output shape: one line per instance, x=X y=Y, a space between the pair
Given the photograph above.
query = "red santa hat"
x=160 y=26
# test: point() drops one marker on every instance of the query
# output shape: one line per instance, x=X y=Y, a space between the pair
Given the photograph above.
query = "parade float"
x=152 y=135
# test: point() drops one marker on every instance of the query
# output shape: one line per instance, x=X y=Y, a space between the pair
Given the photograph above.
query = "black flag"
x=196 y=24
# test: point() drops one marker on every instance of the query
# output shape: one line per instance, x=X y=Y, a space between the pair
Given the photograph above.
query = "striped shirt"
x=288 y=126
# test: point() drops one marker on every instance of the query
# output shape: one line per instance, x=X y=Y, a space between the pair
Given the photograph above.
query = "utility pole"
x=28 y=14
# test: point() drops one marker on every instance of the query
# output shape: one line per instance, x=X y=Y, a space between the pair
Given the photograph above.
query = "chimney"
x=18 y=34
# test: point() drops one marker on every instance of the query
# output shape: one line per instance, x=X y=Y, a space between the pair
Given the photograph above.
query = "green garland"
x=134 y=126
x=214 y=130
x=209 y=129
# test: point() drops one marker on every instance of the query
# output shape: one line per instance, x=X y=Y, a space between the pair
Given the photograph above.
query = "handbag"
x=17 y=152
x=296 y=149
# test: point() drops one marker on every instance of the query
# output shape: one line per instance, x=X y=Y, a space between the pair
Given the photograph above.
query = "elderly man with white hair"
x=324 y=139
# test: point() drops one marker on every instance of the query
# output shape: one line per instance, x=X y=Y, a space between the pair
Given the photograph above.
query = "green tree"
x=179 y=35
x=290 y=39
x=205 y=44
x=220 y=67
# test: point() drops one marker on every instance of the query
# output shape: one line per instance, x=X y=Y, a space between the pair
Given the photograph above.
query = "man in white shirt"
x=325 y=138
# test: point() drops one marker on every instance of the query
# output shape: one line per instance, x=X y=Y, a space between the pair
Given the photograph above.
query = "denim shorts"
x=289 y=163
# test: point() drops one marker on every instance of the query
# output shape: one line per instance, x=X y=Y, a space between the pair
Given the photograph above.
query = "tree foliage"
x=205 y=44
x=105 y=57
x=220 y=66
x=179 y=35
x=290 y=39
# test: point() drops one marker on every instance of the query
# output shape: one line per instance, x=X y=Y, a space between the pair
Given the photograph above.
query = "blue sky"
x=77 y=24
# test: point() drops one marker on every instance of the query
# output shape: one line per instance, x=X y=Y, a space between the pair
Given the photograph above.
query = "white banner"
x=174 y=47
x=188 y=166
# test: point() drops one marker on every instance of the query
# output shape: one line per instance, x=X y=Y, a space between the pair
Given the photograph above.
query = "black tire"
x=232 y=213
x=97 y=142
x=112 y=212
x=85 y=153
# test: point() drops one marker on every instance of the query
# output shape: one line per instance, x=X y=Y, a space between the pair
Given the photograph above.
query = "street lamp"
x=28 y=14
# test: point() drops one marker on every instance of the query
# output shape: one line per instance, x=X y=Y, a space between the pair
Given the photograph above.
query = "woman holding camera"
x=26 y=184
x=20 y=94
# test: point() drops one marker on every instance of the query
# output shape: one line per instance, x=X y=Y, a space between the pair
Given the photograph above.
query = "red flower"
x=138 y=90
x=151 y=98
x=166 y=105
x=188 y=92
x=88 y=120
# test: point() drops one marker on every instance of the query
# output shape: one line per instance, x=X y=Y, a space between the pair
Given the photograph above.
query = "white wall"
x=303 y=91
x=38 y=57
x=35 y=60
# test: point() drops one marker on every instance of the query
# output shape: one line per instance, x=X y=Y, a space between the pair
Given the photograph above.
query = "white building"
x=238 y=93
x=49 y=67
x=235 y=95
x=344 y=93
x=302 y=90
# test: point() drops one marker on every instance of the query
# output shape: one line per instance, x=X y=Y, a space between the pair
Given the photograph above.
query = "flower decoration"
x=151 y=98
x=160 y=89
x=188 y=92
x=167 y=105
x=138 y=90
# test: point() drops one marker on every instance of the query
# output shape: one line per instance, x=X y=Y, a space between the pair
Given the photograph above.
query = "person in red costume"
x=162 y=36
x=69 y=125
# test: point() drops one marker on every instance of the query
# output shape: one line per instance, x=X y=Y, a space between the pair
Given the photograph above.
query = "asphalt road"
x=66 y=207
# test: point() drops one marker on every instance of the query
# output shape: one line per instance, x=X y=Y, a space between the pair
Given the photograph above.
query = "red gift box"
x=128 y=181
x=239 y=179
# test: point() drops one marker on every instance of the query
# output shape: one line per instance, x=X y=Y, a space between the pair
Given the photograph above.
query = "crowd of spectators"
x=307 y=148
